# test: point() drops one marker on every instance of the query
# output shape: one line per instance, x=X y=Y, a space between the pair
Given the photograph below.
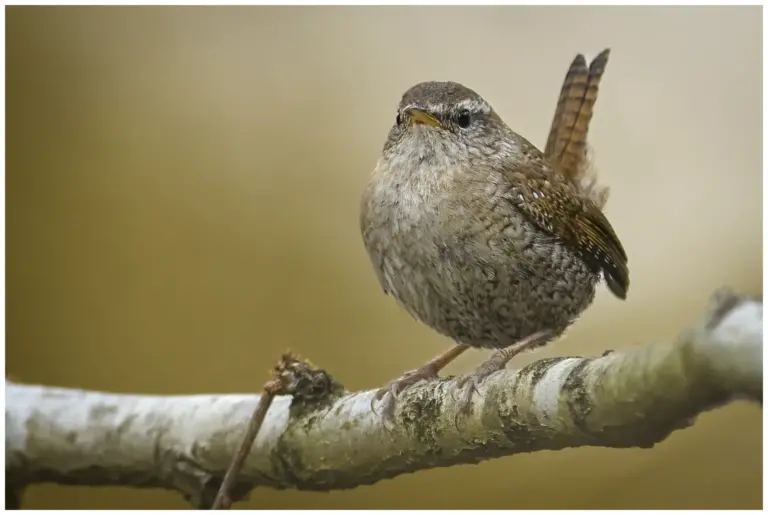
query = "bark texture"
x=322 y=437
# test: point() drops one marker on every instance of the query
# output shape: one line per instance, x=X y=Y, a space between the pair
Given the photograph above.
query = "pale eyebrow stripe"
x=475 y=105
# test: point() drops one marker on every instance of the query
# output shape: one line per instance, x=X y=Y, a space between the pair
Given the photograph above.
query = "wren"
x=480 y=235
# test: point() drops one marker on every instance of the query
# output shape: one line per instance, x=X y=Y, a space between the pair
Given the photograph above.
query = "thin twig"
x=307 y=385
x=223 y=501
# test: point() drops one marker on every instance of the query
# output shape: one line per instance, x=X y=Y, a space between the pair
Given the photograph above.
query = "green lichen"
x=285 y=459
x=420 y=415
x=575 y=396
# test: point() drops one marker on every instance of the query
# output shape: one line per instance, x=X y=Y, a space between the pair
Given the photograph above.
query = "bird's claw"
x=467 y=386
x=389 y=393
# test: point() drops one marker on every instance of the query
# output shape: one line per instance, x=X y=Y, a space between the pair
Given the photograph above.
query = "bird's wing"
x=567 y=143
x=555 y=204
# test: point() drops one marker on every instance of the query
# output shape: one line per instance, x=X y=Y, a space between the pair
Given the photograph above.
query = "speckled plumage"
x=474 y=233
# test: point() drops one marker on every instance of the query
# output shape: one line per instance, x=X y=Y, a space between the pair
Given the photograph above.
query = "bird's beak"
x=417 y=115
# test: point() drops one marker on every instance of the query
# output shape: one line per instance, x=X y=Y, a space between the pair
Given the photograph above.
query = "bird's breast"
x=466 y=262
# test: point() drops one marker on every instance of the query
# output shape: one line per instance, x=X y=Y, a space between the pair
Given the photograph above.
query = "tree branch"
x=632 y=398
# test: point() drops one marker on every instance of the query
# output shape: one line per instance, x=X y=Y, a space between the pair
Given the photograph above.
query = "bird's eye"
x=464 y=119
x=398 y=119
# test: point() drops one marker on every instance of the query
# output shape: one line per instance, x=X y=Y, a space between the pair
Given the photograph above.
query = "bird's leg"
x=496 y=362
x=429 y=370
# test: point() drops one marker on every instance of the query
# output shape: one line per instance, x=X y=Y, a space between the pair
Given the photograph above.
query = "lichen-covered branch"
x=631 y=398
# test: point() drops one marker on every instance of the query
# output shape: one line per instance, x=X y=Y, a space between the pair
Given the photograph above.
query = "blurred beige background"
x=183 y=188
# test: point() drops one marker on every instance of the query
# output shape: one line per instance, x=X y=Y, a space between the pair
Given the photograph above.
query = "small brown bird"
x=480 y=235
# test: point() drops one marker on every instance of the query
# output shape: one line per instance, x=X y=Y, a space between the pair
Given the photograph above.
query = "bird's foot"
x=389 y=393
x=468 y=384
x=427 y=372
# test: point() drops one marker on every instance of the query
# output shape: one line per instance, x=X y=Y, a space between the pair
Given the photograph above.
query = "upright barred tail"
x=567 y=143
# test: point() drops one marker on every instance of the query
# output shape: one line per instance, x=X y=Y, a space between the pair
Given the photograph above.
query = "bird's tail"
x=567 y=145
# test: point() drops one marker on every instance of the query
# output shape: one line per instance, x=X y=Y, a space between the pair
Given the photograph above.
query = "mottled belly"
x=494 y=303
